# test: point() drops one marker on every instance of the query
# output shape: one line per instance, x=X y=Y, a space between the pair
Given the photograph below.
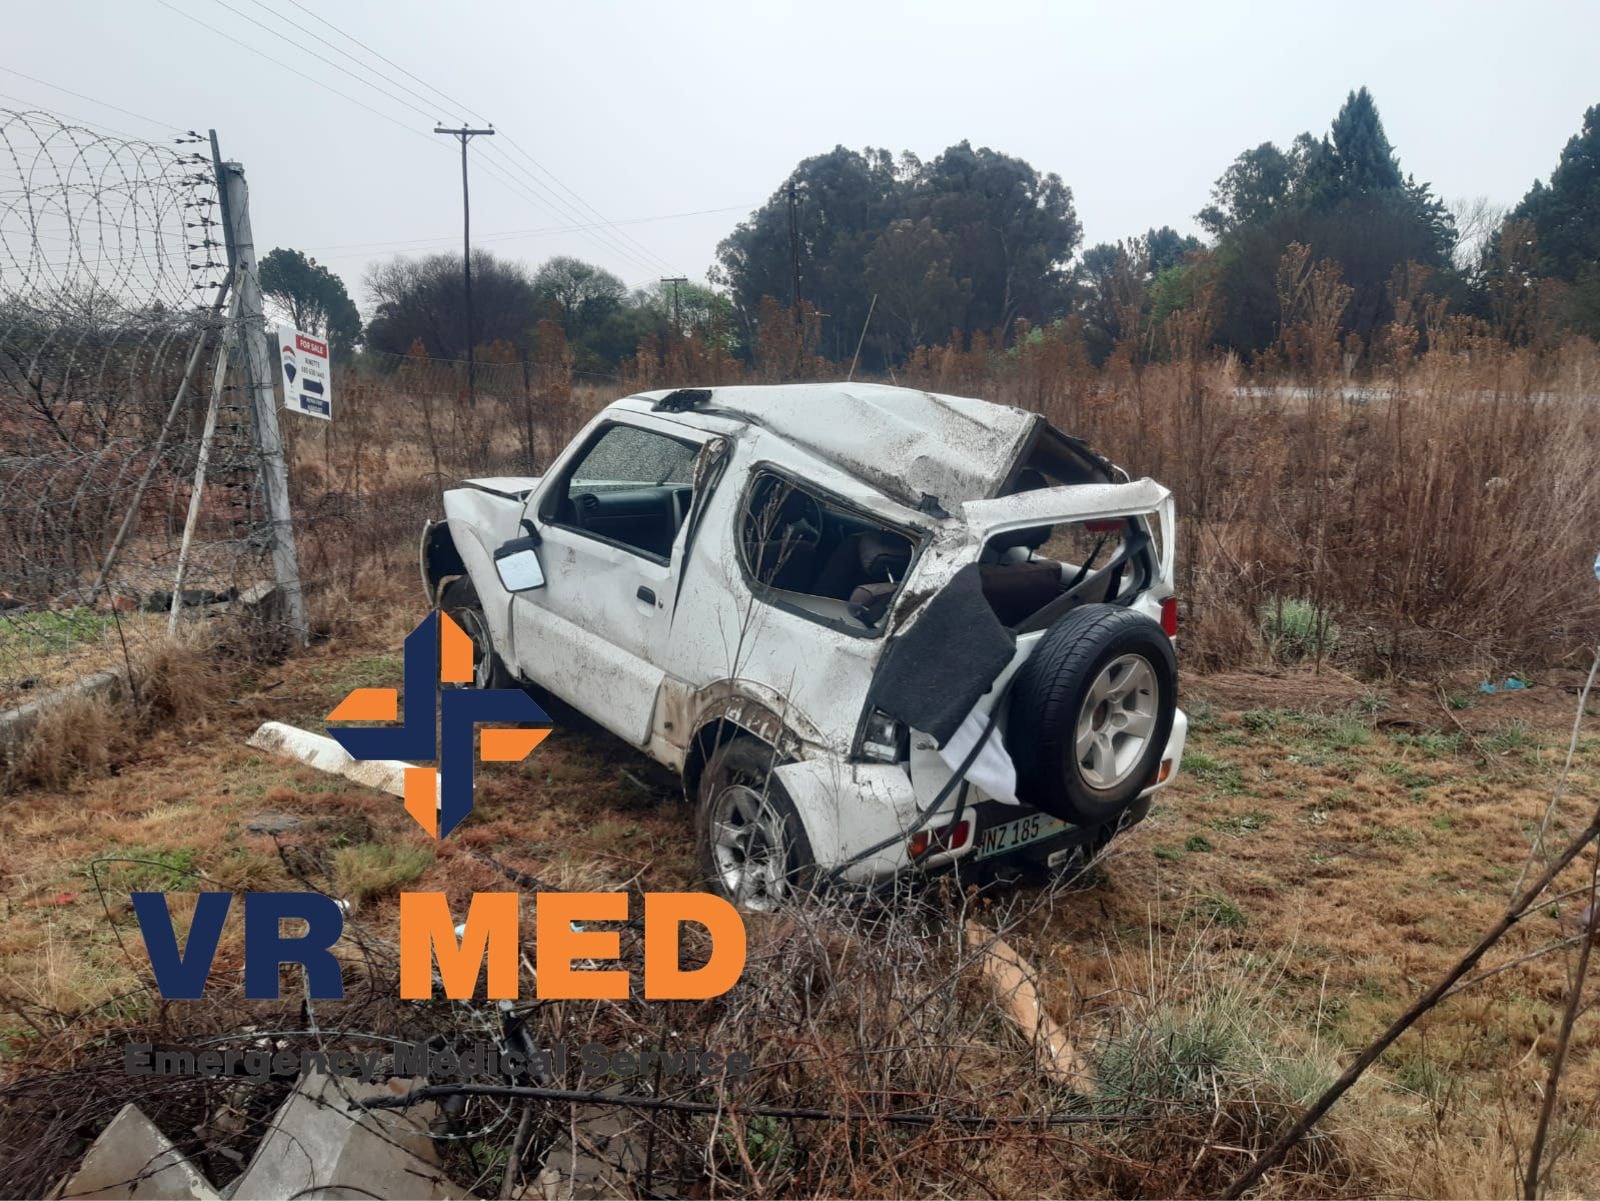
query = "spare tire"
x=1090 y=713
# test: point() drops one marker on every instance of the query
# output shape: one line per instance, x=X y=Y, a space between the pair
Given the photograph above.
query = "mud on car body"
x=875 y=629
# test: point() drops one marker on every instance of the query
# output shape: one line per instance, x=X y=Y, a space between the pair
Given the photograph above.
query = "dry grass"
x=1332 y=844
x=377 y=869
x=1440 y=513
x=1329 y=849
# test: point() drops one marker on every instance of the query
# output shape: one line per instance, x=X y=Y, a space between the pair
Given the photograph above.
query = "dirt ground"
x=1329 y=849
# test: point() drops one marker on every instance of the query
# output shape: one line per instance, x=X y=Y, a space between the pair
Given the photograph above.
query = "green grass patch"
x=1240 y=824
x=146 y=869
x=1516 y=736
x=1292 y=627
x=1216 y=909
x=373 y=869
x=1393 y=836
x=1344 y=733
x=1433 y=745
x=1208 y=769
x=1197 y=843
x=22 y=633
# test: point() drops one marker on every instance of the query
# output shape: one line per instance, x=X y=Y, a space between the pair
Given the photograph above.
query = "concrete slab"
x=131 y=1158
x=322 y=1144
x=324 y=754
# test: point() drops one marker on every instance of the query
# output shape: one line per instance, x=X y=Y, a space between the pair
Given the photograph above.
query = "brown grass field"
x=1342 y=831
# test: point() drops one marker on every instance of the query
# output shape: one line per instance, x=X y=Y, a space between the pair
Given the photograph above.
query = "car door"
x=610 y=525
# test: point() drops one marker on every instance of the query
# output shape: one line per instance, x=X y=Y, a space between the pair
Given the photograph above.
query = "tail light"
x=949 y=838
x=1169 y=617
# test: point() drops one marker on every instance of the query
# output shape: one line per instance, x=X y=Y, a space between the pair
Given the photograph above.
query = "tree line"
x=888 y=253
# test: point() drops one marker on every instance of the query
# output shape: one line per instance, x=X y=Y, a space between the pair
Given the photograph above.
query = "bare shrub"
x=74 y=738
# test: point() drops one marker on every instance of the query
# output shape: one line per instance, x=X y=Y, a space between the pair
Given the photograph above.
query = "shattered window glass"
x=626 y=457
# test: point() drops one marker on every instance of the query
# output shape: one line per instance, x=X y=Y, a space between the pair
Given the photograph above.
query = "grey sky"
x=648 y=110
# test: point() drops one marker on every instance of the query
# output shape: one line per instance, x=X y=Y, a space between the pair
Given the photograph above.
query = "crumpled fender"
x=847 y=807
x=480 y=523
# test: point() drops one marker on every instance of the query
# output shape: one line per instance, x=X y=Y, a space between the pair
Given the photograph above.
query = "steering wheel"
x=813 y=517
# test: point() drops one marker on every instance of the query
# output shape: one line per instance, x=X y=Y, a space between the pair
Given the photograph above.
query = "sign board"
x=307 y=382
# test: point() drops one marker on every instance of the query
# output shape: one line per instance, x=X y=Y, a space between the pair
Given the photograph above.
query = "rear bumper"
x=849 y=808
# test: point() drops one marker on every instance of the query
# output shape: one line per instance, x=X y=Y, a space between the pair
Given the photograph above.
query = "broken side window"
x=806 y=551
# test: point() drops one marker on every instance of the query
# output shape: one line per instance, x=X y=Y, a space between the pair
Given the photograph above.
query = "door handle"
x=647 y=595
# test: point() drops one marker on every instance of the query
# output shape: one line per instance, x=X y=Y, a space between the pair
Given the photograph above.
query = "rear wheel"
x=460 y=603
x=750 y=843
x=1091 y=712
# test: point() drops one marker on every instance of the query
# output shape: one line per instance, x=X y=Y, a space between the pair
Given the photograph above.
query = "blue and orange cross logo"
x=439 y=724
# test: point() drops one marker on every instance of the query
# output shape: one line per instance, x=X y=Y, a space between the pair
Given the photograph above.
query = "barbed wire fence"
x=115 y=327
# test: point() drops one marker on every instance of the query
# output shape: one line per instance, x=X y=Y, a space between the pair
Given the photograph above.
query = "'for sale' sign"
x=307 y=382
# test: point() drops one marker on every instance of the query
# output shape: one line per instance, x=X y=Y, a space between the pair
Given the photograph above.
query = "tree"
x=1011 y=231
x=1166 y=248
x=1008 y=230
x=1564 y=219
x=584 y=294
x=842 y=200
x=315 y=297
x=424 y=300
x=1343 y=195
x=1363 y=159
x=909 y=270
x=1124 y=289
x=1252 y=189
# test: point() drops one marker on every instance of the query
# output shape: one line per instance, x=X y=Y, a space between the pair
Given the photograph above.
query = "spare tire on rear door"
x=1090 y=713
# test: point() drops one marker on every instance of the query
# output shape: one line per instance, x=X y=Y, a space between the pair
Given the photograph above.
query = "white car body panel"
x=656 y=672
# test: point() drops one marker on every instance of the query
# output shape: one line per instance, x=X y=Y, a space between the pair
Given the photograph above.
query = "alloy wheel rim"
x=748 y=847
x=1116 y=721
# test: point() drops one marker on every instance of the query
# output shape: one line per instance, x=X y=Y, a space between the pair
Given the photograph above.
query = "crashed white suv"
x=874 y=628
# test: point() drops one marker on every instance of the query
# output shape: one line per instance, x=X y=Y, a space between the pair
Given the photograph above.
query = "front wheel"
x=750 y=843
x=460 y=603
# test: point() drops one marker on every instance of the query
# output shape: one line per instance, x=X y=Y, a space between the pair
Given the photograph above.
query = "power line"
x=385 y=58
x=601 y=234
x=304 y=49
x=515 y=145
x=465 y=135
x=507 y=234
x=278 y=62
x=56 y=87
x=498 y=175
x=615 y=243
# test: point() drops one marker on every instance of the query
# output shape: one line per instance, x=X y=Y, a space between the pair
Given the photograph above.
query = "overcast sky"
x=639 y=114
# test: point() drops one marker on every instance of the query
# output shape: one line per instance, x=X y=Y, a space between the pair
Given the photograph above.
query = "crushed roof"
x=904 y=441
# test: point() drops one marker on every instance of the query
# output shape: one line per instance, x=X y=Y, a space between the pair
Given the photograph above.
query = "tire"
x=460 y=602
x=1081 y=761
x=750 y=844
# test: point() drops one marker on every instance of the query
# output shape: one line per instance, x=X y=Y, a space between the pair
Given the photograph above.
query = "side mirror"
x=517 y=563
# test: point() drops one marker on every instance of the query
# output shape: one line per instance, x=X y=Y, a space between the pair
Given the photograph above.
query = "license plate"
x=997 y=840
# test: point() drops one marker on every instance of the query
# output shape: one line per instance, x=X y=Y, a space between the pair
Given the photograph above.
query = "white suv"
x=874 y=628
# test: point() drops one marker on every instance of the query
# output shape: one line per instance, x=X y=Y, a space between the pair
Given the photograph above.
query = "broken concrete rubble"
x=324 y=754
x=321 y=1143
x=131 y=1158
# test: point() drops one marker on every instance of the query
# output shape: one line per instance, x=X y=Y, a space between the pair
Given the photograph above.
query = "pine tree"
x=1363 y=157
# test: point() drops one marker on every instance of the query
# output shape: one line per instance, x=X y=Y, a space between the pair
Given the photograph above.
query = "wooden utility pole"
x=465 y=135
x=259 y=372
x=794 y=253
x=675 y=280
